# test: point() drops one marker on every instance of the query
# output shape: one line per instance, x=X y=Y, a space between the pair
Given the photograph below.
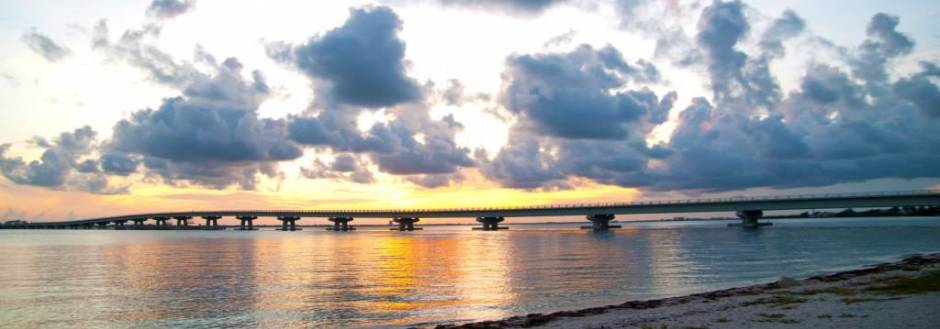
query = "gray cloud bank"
x=838 y=127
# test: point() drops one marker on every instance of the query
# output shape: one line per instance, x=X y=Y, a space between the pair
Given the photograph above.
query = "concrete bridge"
x=749 y=209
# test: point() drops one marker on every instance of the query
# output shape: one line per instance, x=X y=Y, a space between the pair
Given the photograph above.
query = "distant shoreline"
x=894 y=294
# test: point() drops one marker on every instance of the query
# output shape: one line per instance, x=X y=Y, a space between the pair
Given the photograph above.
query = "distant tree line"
x=884 y=212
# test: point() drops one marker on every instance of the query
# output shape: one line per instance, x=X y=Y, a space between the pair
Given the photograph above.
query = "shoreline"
x=857 y=298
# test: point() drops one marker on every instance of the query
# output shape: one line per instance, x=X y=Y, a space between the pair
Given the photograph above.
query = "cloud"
x=9 y=80
x=721 y=26
x=133 y=47
x=170 y=8
x=344 y=167
x=118 y=164
x=836 y=127
x=410 y=144
x=210 y=134
x=436 y=154
x=87 y=166
x=361 y=61
x=212 y=174
x=45 y=46
x=358 y=67
x=213 y=123
x=920 y=91
x=784 y=27
x=454 y=94
x=525 y=7
x=573 y=95
x=63 y=164
x=737 y=79
x=522 y=163
x=561 y=39
x=49 y=171
x=884 y=42
x=577 y=119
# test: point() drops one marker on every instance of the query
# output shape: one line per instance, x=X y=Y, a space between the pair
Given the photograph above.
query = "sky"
x=116 y=107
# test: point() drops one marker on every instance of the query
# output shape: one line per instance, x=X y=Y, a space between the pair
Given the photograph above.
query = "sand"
x=902 y=294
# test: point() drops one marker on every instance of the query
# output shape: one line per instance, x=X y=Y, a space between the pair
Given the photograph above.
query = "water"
x=378 y=278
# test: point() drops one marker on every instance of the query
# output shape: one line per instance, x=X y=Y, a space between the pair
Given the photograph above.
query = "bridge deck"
x=788 y=202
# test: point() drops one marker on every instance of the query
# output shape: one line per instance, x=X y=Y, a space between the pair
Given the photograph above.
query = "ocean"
x=374 y=277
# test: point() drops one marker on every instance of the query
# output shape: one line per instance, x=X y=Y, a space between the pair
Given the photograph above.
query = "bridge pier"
x=340 y=224
x=749 y=219
x=406 y=223
x=249 y=220
x=212 y=222
x=139 y=222
x=600 y=222
x=102 y=225
x=119 y=224
x=288 y=223
x=161 y=221
x=490 y=223
x=182 y=221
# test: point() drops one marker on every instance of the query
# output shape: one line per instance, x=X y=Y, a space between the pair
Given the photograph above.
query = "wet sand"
x=903 y=294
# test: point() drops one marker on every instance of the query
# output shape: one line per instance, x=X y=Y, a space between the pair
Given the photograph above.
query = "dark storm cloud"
x=45 y=46
x=170 y=8
x=785 y=27
x=62 y=164
x=571 y=95
x=363 y=60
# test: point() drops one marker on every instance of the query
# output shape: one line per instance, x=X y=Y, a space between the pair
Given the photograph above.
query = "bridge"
x=749 y=209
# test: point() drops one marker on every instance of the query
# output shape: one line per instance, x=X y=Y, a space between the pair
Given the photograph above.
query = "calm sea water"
x=378 y=278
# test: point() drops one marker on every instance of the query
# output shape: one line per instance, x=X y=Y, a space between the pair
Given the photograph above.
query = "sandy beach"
x=903 y=294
